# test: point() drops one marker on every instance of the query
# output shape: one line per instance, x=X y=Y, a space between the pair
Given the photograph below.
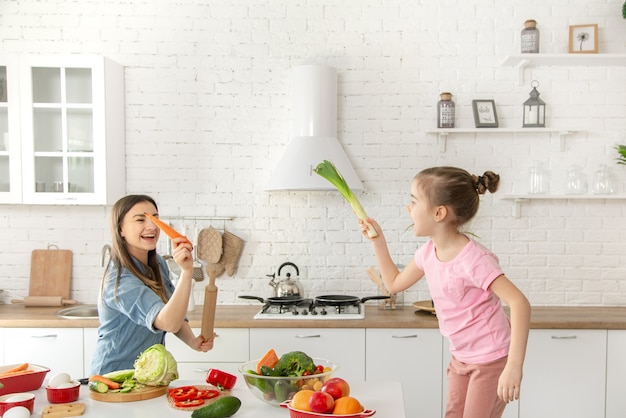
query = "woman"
x=138 y=303
x=468 y=287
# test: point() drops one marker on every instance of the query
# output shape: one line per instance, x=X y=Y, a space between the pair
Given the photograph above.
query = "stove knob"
x=313 y=312
x=305 y=312
x=295 y=312
x=323 y=312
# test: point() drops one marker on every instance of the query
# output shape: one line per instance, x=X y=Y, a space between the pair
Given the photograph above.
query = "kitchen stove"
x=310 y=309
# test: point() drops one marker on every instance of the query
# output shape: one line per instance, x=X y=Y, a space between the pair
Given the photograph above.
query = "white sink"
x=79 y=312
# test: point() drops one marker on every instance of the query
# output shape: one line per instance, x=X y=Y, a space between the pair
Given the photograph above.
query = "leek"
x=328 y=170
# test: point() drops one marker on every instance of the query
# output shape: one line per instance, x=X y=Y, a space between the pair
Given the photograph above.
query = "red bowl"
x=296 y=413
x=26 y=400
x=23 y=382
x=63 y=395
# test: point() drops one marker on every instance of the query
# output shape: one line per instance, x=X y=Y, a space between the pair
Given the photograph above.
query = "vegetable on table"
x=98 y=387
x=269 y=359
x=221 y=379
x=221 y=408
x=120 y=376
x=16 y=371
x=155 y=366
x=294 y=363
x=188 y=396
x=169 y=231
x=111 y=384
x=328 y=170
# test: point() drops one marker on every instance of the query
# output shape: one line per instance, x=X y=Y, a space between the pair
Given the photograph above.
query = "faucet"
x=106 y=248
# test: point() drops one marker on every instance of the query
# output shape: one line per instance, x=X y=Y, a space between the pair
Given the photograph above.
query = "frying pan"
x=343 y=300
x=277 y=300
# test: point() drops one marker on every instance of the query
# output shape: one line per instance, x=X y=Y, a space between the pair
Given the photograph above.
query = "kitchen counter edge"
x=241 y=316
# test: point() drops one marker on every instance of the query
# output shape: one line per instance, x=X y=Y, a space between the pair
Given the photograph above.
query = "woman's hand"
x=182 y=253
x=200 y=344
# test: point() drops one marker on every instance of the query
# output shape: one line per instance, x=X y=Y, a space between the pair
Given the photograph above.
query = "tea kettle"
x=288 y=286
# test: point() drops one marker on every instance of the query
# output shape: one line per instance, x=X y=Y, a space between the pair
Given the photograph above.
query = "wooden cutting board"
x=62 y=411
x=50 y=273
x=141 y=394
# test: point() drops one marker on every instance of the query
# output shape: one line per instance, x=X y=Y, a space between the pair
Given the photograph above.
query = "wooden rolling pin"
x=44 y=301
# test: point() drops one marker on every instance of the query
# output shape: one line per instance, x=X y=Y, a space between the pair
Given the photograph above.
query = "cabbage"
x=155 y=366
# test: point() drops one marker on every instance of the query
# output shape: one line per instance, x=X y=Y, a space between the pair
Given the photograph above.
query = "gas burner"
x=310 y=309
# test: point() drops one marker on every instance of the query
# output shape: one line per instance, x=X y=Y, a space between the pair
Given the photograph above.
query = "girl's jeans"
x=472 y=390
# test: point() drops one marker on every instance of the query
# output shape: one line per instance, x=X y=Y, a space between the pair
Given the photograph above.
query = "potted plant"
x=621 y=149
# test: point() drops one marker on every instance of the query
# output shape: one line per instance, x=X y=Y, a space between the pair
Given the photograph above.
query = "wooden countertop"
x=240 y=316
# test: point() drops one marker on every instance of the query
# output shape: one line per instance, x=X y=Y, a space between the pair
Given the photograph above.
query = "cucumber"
x=98 y=387
x=222 y=408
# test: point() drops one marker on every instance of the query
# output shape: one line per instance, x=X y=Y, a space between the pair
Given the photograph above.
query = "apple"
x=336 y=387
x=321 y=402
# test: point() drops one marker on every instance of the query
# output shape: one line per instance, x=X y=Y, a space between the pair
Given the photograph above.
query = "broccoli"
x=294 y=363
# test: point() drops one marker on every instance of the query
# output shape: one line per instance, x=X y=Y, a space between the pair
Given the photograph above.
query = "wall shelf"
x=442 y=134
x=518 y=199
x=521 y=61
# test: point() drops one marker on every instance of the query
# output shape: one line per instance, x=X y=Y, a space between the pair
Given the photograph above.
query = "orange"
x=347 y=405
x=300 y=400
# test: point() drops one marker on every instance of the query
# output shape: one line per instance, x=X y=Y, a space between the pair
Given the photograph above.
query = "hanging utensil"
x=210 y=251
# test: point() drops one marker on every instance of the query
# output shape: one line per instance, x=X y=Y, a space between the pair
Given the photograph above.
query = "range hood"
x=314 y=136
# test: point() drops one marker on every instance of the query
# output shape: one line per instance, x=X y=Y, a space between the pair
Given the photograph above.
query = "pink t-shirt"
x=469 y=314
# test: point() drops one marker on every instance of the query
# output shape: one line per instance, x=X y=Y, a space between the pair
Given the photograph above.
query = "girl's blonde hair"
x=149 y=274
x=457 y=189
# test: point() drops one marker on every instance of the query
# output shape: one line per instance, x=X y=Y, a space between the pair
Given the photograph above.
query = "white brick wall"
x=208 y=110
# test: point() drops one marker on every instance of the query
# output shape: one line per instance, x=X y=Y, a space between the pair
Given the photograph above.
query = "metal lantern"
x=534 y=109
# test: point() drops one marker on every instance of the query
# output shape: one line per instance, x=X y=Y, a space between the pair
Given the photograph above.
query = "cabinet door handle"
x=200 y=370
x=404 y=336
x=44 y=336
x=564 y=337
x=308 y=336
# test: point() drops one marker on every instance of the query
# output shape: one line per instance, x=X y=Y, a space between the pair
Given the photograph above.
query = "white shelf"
x=519 y=198
x=442 y=134
x=521 y=61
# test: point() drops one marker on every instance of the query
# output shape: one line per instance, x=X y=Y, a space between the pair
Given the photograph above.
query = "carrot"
x=17 y=368
x=15 y=373
x=169 y=231
x=270 y=359
x=111 y=384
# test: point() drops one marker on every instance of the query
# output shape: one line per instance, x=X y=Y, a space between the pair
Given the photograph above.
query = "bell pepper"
x=221 y=379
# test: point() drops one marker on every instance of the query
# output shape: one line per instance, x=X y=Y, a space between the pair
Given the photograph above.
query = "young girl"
x=138 y=303
x=467 y=287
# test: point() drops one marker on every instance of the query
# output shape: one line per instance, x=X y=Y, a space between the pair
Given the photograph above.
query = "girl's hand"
x=509 y=383
x=372 y=224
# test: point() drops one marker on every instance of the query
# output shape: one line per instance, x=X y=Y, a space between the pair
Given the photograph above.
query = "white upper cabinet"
x=71 y=131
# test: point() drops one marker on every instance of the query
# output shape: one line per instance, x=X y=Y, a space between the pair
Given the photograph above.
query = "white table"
x=384 y=397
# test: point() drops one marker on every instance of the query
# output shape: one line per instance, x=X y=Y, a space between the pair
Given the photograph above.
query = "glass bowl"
x=275 y=390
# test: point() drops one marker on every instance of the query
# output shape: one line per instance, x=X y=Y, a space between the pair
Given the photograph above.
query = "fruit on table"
x=336 y=387
x=347 y=405
x=222 y=408
x=300 y=400
x=321 y=402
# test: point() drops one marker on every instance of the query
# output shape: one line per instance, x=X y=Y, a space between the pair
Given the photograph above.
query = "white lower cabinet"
x=512 y=408
x=616 y=374
x=565 y=374
x=231 y=350
x=345 y=347
x=90 y=338
x=60 y=349
x=412 y=356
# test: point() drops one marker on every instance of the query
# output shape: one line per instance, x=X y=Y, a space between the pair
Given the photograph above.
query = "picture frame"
x=583 y=39
x=485 y=115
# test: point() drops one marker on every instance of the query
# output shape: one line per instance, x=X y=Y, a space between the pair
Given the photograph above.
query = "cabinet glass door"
x=5 y=173
x=63 y=130
x=10 y=178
